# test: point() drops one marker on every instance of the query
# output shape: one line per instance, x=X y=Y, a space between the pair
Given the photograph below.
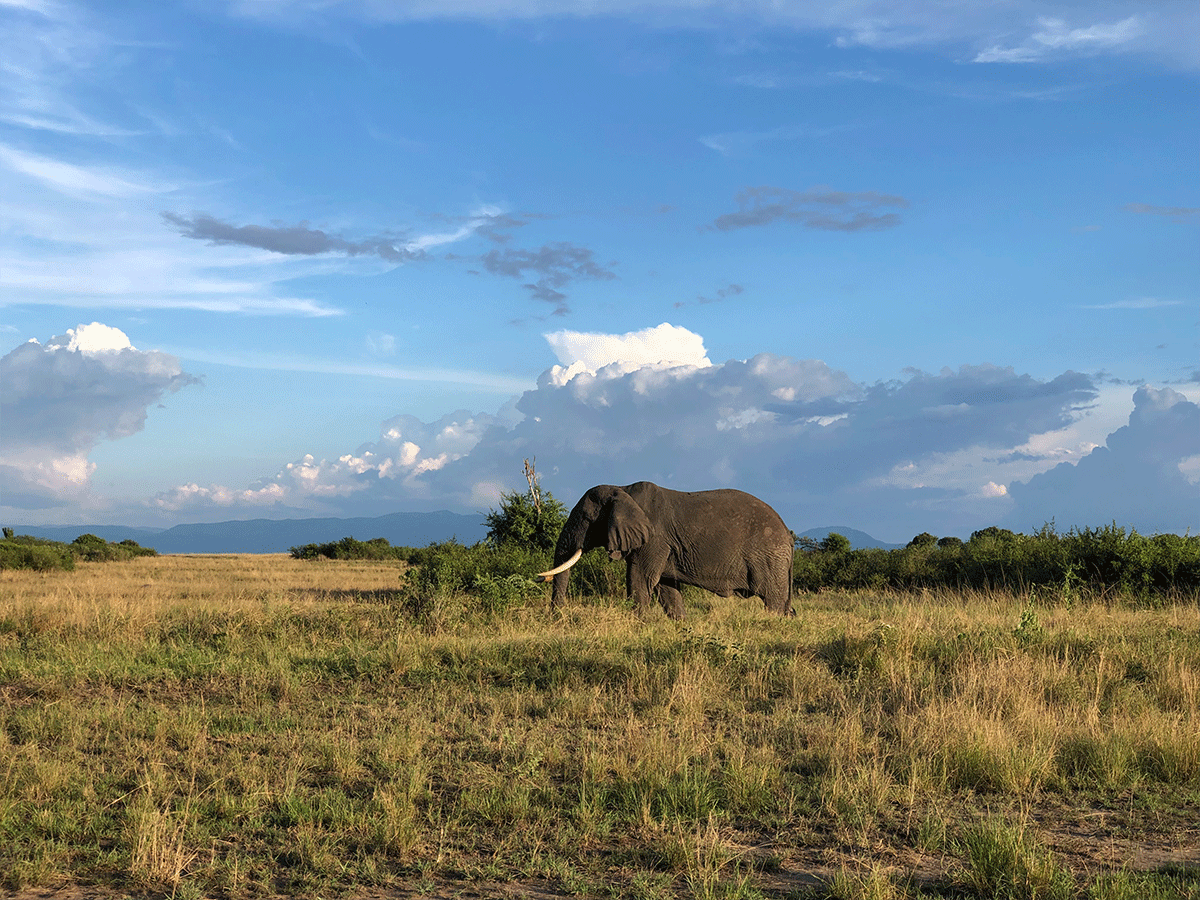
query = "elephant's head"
x=606 y=516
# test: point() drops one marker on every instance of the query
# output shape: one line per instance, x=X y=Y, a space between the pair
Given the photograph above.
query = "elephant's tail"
x=791 y=610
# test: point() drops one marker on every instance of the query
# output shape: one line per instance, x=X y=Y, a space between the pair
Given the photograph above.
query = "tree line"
x=1108 y=560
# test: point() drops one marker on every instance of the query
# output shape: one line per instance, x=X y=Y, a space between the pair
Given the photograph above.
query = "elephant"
x=724 y=541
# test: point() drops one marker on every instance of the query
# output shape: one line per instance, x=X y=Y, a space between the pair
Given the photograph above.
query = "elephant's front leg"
x=671 y=598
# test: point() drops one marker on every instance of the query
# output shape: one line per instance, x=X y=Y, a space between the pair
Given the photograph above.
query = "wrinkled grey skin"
x=724 y=541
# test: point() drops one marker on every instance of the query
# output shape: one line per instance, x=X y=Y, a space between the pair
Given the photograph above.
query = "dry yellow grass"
x=258 y=724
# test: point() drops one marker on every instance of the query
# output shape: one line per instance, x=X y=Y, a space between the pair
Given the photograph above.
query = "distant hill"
x=411 y=529
x=859 y=540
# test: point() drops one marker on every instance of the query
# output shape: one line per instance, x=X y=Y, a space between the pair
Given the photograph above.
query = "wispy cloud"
x=964 y=30
x=1136 y=303
x=1172 y=212
x=505 y=385
x=1054 y=37
x=730 y=290
x=75 y=180
x=821 y=207
x=737 y=143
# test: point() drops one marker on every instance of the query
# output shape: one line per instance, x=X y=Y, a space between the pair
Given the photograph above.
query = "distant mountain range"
x=859 y=540
x=411 y=529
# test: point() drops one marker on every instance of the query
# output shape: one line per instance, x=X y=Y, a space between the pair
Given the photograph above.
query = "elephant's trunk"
x=560 y=575
x=573 y=542
x=559 y=595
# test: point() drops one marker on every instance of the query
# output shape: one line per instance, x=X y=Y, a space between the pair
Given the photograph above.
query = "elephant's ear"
x=628 y=526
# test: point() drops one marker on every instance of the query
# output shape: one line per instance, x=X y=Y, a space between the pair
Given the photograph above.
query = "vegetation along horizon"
x=1015 y=715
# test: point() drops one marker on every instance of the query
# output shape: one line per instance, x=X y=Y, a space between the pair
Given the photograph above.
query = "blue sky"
x=930 y=268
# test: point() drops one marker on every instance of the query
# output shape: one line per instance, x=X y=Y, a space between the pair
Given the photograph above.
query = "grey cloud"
x=1133 y=480
x=499 y=228
x=796 y=431
x=553 y=266
x=819 y=446
x=984 y=404
x=288 y=240
x=1021 y=456
x=821 y=208
x=1173 y=212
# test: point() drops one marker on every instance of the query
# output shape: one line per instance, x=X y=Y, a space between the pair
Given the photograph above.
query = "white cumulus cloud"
x=661 y=347
x=61 y=399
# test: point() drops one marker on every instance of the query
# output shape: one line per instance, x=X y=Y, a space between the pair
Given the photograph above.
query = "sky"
x=900 y=267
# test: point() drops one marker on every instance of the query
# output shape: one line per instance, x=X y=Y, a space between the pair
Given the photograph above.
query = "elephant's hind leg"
x=777 y=596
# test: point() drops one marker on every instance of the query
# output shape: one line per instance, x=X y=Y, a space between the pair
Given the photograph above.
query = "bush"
x=522 y=522
x=95 y=549
x=496 y=577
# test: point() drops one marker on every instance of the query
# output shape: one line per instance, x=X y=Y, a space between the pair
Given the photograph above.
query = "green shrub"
x=349 y=548
x=24 y=552
x=19 y=551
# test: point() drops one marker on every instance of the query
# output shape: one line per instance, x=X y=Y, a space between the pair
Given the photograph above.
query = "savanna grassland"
x=246 y=726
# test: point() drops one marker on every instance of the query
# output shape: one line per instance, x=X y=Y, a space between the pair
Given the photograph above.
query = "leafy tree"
x=529 y=521
x=924 y=539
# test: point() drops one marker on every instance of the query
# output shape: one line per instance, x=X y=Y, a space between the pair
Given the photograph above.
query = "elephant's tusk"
x=546 y=576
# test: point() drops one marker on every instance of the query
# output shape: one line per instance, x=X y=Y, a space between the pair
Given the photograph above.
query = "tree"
x=835 y=543
x=531 y=520
x=992 y=533
x=924 y=539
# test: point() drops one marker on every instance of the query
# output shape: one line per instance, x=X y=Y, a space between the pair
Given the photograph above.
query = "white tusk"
x=546 y=576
